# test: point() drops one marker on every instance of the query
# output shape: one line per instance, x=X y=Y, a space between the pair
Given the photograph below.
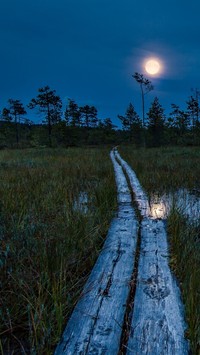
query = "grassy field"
x=55 y=209
x=163 y=171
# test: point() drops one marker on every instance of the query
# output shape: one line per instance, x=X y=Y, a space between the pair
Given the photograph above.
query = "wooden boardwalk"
x=96 y=324
x=156 y=324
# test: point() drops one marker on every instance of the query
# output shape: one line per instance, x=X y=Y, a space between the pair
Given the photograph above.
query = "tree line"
x=73 y=126
x=79 y=125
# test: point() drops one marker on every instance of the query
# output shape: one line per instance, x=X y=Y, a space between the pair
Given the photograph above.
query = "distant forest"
x=80 y=125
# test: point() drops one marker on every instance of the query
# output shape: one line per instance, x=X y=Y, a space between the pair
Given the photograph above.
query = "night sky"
x=87 y=50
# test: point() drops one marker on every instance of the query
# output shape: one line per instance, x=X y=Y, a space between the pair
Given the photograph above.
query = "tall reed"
x=49 y=239
x=165 y=169
x=185 y=262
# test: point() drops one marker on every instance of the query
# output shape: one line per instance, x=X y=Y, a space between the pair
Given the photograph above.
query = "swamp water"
x=188 y=203
x=81 y=203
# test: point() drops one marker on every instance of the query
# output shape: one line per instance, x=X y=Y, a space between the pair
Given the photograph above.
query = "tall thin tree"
x=50 y=104
x=73 y=114
x=145 y=87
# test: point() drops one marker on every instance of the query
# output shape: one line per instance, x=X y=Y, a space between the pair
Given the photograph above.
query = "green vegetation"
x=64 y=125
x=185 y=261
x=166 y=170
x=55 y=210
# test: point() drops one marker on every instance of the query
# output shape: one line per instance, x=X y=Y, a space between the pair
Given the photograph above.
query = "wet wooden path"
x=129 y=307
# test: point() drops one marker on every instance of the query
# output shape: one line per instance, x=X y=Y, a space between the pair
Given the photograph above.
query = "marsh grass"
x=48 y=246
x=185 y=262
x=163 y=170
x=166 y=170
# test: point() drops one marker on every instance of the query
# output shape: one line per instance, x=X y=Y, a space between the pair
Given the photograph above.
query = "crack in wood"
x=158 y=324
x=104 y=293
x=130 y=304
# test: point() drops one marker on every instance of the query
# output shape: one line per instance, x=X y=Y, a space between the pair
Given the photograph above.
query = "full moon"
x=152 y=66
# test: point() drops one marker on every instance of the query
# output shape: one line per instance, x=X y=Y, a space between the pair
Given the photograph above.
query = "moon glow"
x=152 y=66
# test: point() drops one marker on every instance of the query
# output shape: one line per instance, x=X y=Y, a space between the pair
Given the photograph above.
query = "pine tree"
x=179 y=119
x=107 y=124
x=193 y=111
x=50 y=104
x=89 y=116
x=5 y=116
x=156 y=123
x=131 y=123
x=14 y=113
x=73 y=114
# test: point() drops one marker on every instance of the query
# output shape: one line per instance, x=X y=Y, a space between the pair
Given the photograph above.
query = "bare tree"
x=146 y=87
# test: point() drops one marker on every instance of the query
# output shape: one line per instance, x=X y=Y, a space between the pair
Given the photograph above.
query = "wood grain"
x=96 y=323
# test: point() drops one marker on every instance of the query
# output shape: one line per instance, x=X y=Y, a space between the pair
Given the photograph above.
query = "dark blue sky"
x=87 y=50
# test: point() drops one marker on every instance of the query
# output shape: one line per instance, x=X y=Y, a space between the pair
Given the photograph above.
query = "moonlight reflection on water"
x=160 y=205
x=188 y=204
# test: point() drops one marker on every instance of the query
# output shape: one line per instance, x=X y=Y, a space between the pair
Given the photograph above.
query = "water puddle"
x=188 y=203
x=81 y=203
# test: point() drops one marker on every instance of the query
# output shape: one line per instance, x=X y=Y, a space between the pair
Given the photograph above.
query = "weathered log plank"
x=157 y=323
x=96 y=323
x=139 y=193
